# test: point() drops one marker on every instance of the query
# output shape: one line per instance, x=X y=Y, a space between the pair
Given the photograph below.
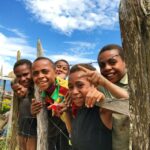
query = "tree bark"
x=135 y=31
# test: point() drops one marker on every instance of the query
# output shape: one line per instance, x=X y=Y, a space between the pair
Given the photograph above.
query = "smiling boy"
x=44 y=76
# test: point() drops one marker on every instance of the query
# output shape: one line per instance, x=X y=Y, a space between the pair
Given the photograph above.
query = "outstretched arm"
x=97 y=79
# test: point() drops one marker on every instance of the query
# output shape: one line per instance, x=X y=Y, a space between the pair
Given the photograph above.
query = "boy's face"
x=111 y=65
x=62 y=69
x=23 y=75
x=78 y=88
x=43 y=74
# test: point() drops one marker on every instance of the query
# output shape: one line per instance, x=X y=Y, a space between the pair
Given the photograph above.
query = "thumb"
x=33 y=100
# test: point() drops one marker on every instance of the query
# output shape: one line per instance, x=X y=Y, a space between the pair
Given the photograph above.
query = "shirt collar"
x=124 y=79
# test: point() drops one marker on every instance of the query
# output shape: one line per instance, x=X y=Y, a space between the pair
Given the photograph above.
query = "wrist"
x=102 y=81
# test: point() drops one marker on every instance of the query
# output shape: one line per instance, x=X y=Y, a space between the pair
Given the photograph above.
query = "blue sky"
x=74 y=30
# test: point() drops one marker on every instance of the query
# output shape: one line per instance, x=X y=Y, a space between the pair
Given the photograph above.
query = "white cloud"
x=15 y=31
x=81 y=48
x=10 y=45
x=74 y=59
x=70 y=15
x=8 y=51
x=5 y=65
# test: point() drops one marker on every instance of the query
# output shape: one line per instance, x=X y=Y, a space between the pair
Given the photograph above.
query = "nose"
x=107 y=67
x=60 y=69
x=22 y=78
x=40 y=75
x=74 y=91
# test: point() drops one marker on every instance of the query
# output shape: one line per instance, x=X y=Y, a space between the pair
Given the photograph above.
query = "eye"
x=25 y=74
x=65 y=68
x=18 y=76
x=80 y=85
x=45 y=71
x=35 y=73
x=70 y=86
x=102 y=64
x=58 y=66
x=112 y=61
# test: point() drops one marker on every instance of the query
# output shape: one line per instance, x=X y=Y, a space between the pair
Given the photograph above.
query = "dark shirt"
x=89 y=132
x=55 y=125
x=57 y=134
x=27 y=125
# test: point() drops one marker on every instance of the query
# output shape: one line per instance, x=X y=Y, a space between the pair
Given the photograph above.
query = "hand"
x=93 y=76
x=93 y=96
x=57 y=108
x=35 y=107
x=68 y=101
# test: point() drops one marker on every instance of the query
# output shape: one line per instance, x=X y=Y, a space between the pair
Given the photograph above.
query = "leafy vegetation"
x=6 y=104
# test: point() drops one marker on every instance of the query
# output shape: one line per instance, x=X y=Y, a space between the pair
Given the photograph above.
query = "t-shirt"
x=120 y=131
x=27 y=124
x=89 y=132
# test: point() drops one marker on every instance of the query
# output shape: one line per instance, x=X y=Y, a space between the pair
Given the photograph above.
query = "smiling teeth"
x=109 y=75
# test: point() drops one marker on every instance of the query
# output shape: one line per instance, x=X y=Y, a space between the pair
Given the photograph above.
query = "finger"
x=83 y=68
x=83 y=75
x=33 y=100
x=63 y=109
x=67 y=97
x=87 y=72
x=35 y=112
x=91 y=97
x=99 y=98
x=94 y=77
x=52 y=107
x=35 y=109
x=36 y=105
x=68 y=100
x=88 y=99
x=93 y=100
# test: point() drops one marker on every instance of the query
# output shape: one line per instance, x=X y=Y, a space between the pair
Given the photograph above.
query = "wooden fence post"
x=42 y=117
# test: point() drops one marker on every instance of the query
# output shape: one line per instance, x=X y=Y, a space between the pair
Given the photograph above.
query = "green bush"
x=6 y=105
x=3 y=145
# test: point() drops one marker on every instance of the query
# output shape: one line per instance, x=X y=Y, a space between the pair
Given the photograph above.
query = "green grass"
x=3 y=145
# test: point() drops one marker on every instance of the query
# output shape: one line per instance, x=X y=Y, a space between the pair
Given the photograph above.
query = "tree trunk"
x=135 y=30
